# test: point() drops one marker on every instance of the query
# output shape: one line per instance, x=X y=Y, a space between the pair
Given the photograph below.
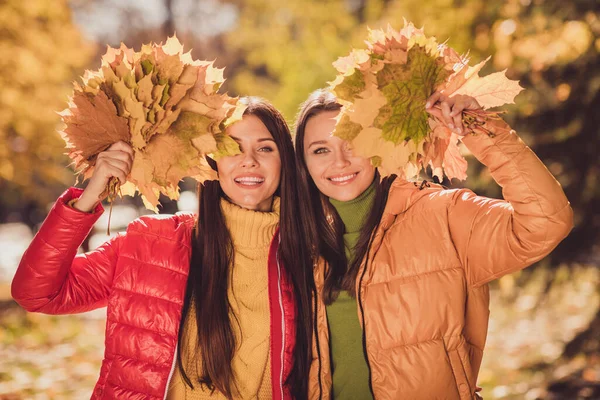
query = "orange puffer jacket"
x=422 y=290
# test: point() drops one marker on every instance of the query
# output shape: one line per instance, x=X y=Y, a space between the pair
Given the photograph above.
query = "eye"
x=267 y=149
x=321 y=150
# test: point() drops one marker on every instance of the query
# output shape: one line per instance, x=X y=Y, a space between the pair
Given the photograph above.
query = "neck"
x=354 y=213
x=250 y=228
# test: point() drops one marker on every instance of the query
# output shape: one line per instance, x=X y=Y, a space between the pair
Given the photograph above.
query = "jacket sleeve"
x=52 y=278
x=496 y=237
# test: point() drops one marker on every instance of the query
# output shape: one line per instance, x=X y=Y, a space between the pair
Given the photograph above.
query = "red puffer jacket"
x=141 y=277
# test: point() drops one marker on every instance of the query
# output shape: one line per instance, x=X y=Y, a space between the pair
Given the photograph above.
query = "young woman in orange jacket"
x=402 y=271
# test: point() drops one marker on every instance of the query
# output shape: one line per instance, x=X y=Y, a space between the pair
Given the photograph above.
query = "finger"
x=474 y=105
x=436 y=112
x=445 y=106
x=104 y=172
x=456 y=114
x=109 y=164
x=117 y=173
x=122 y=146
x=116 y=155
x=458 y=105
x=433 y=99
x=458 y=125
x=116 y=158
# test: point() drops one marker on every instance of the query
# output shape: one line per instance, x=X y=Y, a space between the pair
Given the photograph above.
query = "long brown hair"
x=212 y=258
x=324 y=225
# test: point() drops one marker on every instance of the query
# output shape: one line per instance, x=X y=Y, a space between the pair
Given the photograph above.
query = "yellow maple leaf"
x=490 y=91
x=138 y=97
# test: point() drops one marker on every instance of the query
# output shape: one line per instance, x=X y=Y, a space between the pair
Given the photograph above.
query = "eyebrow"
x=264 y=139
x=317 y=142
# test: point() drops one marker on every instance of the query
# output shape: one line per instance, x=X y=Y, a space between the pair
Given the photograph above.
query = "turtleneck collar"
x=354 y=212
x=249 y=228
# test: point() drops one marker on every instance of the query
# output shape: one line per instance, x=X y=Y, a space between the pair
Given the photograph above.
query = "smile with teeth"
x=249 y=180
x=343 y=178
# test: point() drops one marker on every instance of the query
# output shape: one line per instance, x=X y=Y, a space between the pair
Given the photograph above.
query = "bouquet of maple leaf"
x=383 y=90
x=162 y=103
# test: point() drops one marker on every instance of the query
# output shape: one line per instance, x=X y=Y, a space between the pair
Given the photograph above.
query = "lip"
x=249 y=181
x=343 y=179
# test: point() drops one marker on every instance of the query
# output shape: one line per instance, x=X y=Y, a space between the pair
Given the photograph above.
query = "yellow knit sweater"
x=251 y=233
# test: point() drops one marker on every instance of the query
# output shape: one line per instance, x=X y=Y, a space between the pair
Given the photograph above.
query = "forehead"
x=320 y=127
x=249 y=128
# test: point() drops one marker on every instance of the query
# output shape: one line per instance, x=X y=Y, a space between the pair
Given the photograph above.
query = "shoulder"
x=164 y=225
x=407 y=198
x=408 y=195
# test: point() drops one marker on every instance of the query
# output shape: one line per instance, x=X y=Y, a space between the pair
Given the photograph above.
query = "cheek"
x=271 y=167
x=369 y=168
x=315 y=168
x=276 y=168
x=224 y=167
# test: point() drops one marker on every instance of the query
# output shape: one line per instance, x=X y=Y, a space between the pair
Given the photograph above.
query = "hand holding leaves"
x=113 y=163
x=384 y=89
x=450 y=110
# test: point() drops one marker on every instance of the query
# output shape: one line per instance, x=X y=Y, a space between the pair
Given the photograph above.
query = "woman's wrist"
x=84 y=203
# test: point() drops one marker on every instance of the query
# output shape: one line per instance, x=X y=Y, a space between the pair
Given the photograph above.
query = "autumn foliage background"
x=544 y=339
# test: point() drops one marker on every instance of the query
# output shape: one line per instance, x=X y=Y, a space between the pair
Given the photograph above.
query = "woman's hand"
x=449 y=109
x=114 y=162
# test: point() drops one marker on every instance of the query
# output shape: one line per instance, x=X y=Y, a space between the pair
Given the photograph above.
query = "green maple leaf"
x=226 y=146
x=346 y=129
x=190 y=125
x=351 y=86
x=165 y=95
x=407 y=87
x=147 y=66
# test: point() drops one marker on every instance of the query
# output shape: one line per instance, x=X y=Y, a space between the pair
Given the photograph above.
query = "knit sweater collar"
x=249 y=228
x=354 y=212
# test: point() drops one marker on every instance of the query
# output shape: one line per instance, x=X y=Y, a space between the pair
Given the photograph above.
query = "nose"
x=341 y=159
x=248 y=160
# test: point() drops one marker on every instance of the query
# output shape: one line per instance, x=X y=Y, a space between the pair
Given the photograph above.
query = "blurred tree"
x=42 y=53
x=288 y=48
x=284 y=50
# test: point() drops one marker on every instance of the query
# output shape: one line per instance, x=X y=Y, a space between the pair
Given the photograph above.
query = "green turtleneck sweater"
x=350 y=370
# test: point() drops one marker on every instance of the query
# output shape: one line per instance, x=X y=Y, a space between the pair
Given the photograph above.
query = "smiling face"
x=251 y=178
x=336 y=171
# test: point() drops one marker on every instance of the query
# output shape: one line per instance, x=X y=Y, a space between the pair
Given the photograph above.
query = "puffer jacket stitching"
x=146 y=295
x=410 y=277
x=114 y=321
x=147 y=395
x=152 y=264
x=138 y=360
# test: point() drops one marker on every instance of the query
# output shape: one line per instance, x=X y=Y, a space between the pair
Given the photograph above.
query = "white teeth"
x=343 y=178
x=249 y=180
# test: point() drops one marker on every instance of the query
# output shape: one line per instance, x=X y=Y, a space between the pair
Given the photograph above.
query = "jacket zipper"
x=362 y=311
x=282 y=320
x=315 y=328
x=171 y=373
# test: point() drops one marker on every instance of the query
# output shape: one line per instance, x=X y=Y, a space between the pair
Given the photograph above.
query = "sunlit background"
x=544 y=333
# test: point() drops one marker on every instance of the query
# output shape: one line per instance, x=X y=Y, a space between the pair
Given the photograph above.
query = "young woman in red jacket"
x=199 y=307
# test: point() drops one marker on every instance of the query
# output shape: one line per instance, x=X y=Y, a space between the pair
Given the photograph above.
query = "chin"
x=253 y=203
x=345 y=194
